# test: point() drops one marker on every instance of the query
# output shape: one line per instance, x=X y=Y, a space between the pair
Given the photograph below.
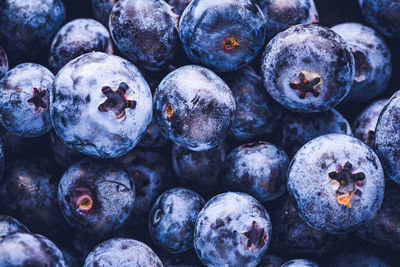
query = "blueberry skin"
x=179 y=5
x=232 y=229
x=222 y=35
x=258 y=169
x=298 y=129
x=194 y=108
x=300 y=263
x=145 y=31
x=106 y=186
x=343 y=188
x=257 y=114
x=24 y=100
x=122 y=252
x=3 y=62
x=102 y=10
x=384 y=15
x=26 y=249
x=9 y=225
x=280 y=15
x=373 y=67
x=387 y=138
x=27 y=26
x=100 y=105
x=172 y=219
x=199 y=171
x=308 y=68
x=365 y=123
x=76 y=38
x=361 y=257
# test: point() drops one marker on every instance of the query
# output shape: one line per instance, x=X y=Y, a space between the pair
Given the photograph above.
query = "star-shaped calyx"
x=37 y=99
x=256 y=237
x=306 y=83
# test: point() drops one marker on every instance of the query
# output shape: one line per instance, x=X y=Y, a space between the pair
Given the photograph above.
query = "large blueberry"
x=122 y=252
x=96 y=197
x=24 y=100
x=3 y=62
x=9 y=225
x=102 y=9
x=373 y=66
x=336 y=183
x=194 y=107
x=232 y=229
x=100 y=105
x=258 y=169
x=222 y=35
x=308 y=68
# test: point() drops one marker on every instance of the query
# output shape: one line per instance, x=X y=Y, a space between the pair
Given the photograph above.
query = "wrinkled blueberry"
x=9 y=225
x=361 y=257
x=102 y=9
x=194 y=107
x=76 y=38
x=258 y=169
x=222 y=35
x=3 y=62
x=24 y=100
x=300 y=263
x=100 y=105
x=336 y=183
x=127 y=252
x=96 y=197
x=232 y=229
x=308 y=68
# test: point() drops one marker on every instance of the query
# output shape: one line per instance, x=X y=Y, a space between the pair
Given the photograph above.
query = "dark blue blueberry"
x=298 y=129
x=127 y=252
x=28 y=192
x=232 y=229
x=361 y=257
x=179 y=5
x=257 y=114
x=100 y=105
x=300 y=263
x=373 y=66
x=387 y=138
x=258 y=169
x=308 y=68
x=336 y=183
x=186 y=259
x=222 y=35
x=9 y=225
x=198 y=170
x=26 y=249
x=153 y=138
x=145 y=31
x=24 y=100
x=194 y=107
x=280 y=15
x=102 y=9
x=27 y=26
x=64 y=156
x=3 y=62
x=365 y=124
x=76 y=38
x=270 y=260
x=384 y=15
x=96 y=197
x=172 y=219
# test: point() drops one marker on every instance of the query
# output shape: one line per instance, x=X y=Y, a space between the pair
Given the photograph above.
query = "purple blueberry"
x=336 y=183
x=9 y=225
x=300 y=263
x=3 y=62
x=308 y=68
x=100 y=105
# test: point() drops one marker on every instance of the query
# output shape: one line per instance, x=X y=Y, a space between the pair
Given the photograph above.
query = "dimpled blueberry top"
x=100 y=105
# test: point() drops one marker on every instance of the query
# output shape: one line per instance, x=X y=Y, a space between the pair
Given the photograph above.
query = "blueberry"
x=27 y=26
x=24 y=101
x=199 y=171
x=257 y=114
x=300 y=263
x=384 y=15
x=172 y=219
x=144 y=31
x=387 y=138
x=153 y=138
x=102 y=9
x=179 y=5
x=365 y=124
x=100 y=105
x=76 y=38
x=361 y=257
x=336 y=183
x=258 y=169
x=194 y=107
x=64 y=156
x=308 y=68
x=3 y=62
x=280 y=15
x=373 y=66
x=9 y=225
x=96 y=197
x=222 y=35
x=298 y=129
x=127 y=252
x=232 y=229
x=28 y=192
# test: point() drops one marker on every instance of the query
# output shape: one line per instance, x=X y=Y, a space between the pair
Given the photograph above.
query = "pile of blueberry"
x=188 y=133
